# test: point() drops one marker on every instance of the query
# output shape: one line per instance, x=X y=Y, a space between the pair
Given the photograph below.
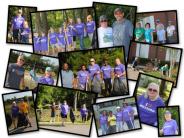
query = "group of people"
x=110 y=122
x=20 y=31
x=64 y=38
x=65 y=110
x=17 y=111
x=164 y=35
x=95 y=76
x=119 y=34
x=15 y=75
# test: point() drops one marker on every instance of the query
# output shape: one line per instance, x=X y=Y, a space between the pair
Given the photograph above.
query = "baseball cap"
x=48 y=69
x=167 y=112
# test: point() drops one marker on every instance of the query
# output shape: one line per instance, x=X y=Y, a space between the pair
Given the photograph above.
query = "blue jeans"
x=130 y=124
x=104 y=129
x=81 y=37
x=119 y=126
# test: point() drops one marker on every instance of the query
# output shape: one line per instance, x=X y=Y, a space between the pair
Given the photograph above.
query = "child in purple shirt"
x=82 y=77
x=90 y=27
x=83 y=113
x=80 y=29
x=44 y=44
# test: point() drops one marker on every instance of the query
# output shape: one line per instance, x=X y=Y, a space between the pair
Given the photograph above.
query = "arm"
x=22 y=84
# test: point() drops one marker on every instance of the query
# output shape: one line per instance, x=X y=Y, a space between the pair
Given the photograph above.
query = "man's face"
x=167 y=117
x=119 y=16
x=65 y=66
x=20 y=61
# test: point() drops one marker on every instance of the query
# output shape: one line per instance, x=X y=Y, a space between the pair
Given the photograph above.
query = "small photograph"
x=169 y=121
x=64 y=110
x=19 y=23
x=20 y=113
x=158 y=61
x=25 y=70
x=151 y=92
x=116 y=116
x=115 y=24
x=63 y=30
x=102 y=71
x=159 y=27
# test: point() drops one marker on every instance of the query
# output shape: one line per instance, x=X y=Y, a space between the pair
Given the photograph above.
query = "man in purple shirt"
x=44 y=44
x=128 y=115
x=103 y=121
x=119 y=120
x=83 y=113
x=80 y=29
x=82 y=78
x=106 y=76
x=17 y=26
x=148 y=103
x=64 y=109
x=170 y=126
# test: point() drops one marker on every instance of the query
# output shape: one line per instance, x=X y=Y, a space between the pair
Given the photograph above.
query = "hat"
x=48 y=69
x=118 y=10
x=103 y=18
x=117 y=107
x=167 y=112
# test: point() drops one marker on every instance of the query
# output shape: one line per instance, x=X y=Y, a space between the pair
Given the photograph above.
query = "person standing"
x=44 y=44
x=112 y=123
x=53 y=112
x=64 y=111
x=122 y=30
x=72 y=30
x=26 y=33
x=82 y=78
x=90 y=27
x=15 y=74
x=106 y=76
x=83 y=113
x=148 y=34
x=103 y=121
x=52 y=37
x=14 y=114
x=171 y=32
x=17 y=26
x=139 y=32
x=161 y=34
x=36 y=43
x=119 y=120
x=67 y=76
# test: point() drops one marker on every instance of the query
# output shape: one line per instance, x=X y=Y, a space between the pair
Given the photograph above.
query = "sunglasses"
x=103 y=21
x=154 y=90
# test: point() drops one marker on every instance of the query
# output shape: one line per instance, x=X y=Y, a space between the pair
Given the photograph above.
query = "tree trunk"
x=44 y=22
x=38 y=23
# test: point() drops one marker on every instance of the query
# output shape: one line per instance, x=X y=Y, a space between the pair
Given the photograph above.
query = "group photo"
x=102 y=71
x=116 y=116
x=63 y=30
x=64 y=110
x=115 y=24
x=159 y=27
x=159 y=61
x=20 y=113
x=19 y=24
x=25 y=70
x=151 y=93
x=169 y=121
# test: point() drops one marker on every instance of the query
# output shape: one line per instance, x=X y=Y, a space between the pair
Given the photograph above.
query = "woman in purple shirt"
x=148 y=103
x=170 y=127
x=61 y=40
x=14 y=114
x=82 y=78
x=90 y=27
x=119 y=120
x=26 y=32
x=83 y=113
x=64 y=108
x=103 y=121
x=36 y=41
x=72 y=30
x=80 y=29
x=52 y=37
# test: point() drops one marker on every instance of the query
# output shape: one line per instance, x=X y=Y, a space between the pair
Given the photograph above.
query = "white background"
x=143 y=5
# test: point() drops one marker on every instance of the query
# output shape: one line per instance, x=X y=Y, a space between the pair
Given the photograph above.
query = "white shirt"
x=105 y=37
x=170 y=30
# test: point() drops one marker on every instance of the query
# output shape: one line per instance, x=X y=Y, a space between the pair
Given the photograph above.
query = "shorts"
x=63 y=115
x=16 y=33
x=74 y=38
x=53 y=114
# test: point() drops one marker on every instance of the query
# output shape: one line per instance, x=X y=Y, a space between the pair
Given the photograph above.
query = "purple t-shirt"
x=170 y=127
x=90 y=27
x=103 y=119
x=127 y=113
x=44 y=43
x=119 y=116
x=53 y=38
x=61 y=38
x=119 y=69
x=46 y=80
x=148 y=109
x=36 y=41
x=64 y=109
x=80 y=28
x=92 y=70
x=72 y=30
x=83 y=111
x=18 y=22
x=82 y=76
x=70 y=38
x=106 y=70
x=26 y=32
x=15 y=111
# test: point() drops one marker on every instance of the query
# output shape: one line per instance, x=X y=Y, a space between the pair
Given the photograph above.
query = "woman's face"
x=104 y=113
x=118 y=61
x=78 y=20
x=48 y=73
x=83 y=68
x=138 y=25
x=20 y=61
x=65 y=66
x=167 y=117
x=104 y=23
x=152 y=91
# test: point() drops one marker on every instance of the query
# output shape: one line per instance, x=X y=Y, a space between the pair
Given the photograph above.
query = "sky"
x=17 y=95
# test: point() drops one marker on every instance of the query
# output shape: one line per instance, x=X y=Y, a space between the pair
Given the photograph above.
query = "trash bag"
x=8 y=120
x=72 y=116
x=119 y=88
x=89 y=115
x=22 y=121
x=96 y=85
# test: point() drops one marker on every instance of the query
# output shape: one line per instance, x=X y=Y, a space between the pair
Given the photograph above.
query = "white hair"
x=157 y=87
